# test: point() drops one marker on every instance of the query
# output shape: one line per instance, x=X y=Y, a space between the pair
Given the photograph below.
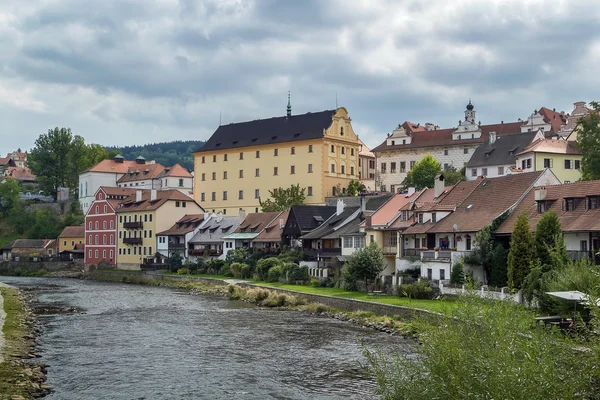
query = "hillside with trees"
x=165 y=153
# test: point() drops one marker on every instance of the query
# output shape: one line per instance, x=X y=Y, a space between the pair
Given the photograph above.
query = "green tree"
x=365 y=264
x=588 y=137
x=9 y=195
x=47 y=225
x=423 y=173
x=453 y=176
x=548 y=237
x=49 y=159
x=520 y=255
x=457 y=276
x=283 y=199
x=354 y=188
x=175 y=262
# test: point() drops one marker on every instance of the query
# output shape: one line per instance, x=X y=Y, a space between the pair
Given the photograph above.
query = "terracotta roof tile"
x=162 y=196
x=186 y=224
x=112 y=166
x=138 y=172
x=272 y=233
x=388 y=212
x=256 y=222
x=73 y=231
x=176 y=171
x=553 y=146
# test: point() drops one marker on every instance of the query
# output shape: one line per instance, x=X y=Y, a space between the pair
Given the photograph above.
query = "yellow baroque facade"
x=242 y=162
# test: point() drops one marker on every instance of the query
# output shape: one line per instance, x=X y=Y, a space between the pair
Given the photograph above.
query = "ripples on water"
x=138 y=342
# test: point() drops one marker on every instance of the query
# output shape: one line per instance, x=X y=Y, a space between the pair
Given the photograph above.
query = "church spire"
x=289 y=106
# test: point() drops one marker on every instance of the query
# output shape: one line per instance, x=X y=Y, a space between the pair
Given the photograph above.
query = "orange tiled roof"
x=389 y=211
x=553 y=146
x=555 y=119
x=20 y=173
x=112 y=166
x=176 y=171
x=73 y=231
x=139 y=172
x=162 y=196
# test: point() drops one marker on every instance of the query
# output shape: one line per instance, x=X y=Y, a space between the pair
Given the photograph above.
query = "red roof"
x=389 y=211
x=139 y=172
x=555 y=119
x=443 y=137
x=272 y=232
x=21 y=174
x=112 y=166
x=162 y=196
x=176 y=171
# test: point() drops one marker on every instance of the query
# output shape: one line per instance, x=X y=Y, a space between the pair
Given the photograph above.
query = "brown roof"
x=553 y=146
x=162 y=196
x=112 y=166
x=117 y=191
x=186 y=224
x=73 y=231
x=272 y=232
x=443 y=137
x=364 y=150
x=21 y=173
x=176 y=171
x=139 y=172
x=489 y=199
x=577 y=220
x=389 y=211
x=6 y=161
x=256 y=222
x=555 y=119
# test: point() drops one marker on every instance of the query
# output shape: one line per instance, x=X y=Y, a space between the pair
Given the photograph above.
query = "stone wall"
x=26 y=267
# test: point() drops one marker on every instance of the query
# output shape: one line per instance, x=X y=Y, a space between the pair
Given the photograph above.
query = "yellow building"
x=563 y=157
x=141 y=216
x=70 y=237
x=242 y=162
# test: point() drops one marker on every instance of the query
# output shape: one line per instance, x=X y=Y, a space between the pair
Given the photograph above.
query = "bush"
x=246 y=271
x=236 y=269
x=297 y=274
x=235 y=292
x=274 y=274
x=183 y=271
x=264 y=265
x=416 y=290
x=457 y=276
x=215 y=266
x=226 y=271
x=314 y=282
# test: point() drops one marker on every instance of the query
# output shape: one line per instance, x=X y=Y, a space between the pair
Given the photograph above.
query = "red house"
x=101 y=225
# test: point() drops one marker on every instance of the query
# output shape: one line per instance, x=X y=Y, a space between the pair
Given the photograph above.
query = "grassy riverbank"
x=18 y=380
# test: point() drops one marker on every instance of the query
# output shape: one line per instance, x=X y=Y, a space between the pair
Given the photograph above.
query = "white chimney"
x=152 y=194
x=411 y=191
x=219 y=216
x=492 y=137
x=339 y=207
x=540 y=194
x=138 y=196
x=242 y=214
x=439 y=185
x=206 y=215
x=281 y=223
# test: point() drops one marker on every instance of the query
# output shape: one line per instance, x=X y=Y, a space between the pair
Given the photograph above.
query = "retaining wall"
x=28 y=267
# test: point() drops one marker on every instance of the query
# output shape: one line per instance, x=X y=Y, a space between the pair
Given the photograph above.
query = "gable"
x=341 y=127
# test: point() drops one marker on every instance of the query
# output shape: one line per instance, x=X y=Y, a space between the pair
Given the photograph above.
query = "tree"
x=283 y=199
x=365 y=264
x=354 y=188
x=47 y=225
x=49 y=159
x=454 y=176
x=9 y=195
x=520 y=255
x=423 y=173
x=548 y=237
x=588 y=137
x=175 y=262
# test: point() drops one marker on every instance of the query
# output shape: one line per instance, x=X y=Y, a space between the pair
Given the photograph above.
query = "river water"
x=140 y=342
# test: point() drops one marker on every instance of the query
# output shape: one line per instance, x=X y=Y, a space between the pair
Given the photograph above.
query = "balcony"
x=133 y=225
x=154 y=264
x=322 y=252
x=390 y=249
x=412 y=253
x=176 y=246
x=133 y=240
x=207 y=252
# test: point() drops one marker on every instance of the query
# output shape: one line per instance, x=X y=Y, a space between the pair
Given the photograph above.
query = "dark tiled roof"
x=268 y=131
x=272 y=233
x=577 y=220
x=186 y=224
x=73 y=231
x=256 y=222
x=501 y=152
x=305 y=216
x=30 y=243
x=351 y=228
x=373 y=202
x=328 y=227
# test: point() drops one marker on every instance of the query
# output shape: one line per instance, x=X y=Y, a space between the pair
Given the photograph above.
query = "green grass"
x=7 y=237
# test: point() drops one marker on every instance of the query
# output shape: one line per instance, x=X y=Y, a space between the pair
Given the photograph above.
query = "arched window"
x=90 y=225
x=105 y=209
x=100 y=196
x=112 y=224
x=103 y=239
x=104 y=254
x=96 y=225
x=342 y=131
x=112 y=239
x=90 y=241
x=104 y=225
x=96 y=241
x=111 y=255
x=96 y=253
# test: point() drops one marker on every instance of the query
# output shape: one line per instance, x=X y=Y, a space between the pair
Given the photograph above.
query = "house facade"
x=563 y=157
x=250 y=228
x=366 y=167
x=242 y=162
x=176 y=239
x=301 y=220
x=209 y=240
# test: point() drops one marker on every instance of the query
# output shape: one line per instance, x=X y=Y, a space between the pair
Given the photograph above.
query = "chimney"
x=540 y=194
x=138 y=196
x=219 y=216
x=281 y=223
x=152 y=194
x=339 y=207
x=206 y=215
x=411 y=191
x=242 y=214
x=493 y=137
x=368 y=219
x=439 y=185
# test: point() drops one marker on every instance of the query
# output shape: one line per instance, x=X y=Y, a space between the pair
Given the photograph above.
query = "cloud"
x=137 y=71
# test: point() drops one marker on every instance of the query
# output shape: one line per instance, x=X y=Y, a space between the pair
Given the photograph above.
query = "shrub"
x=317 y=308
x=257 y=294
x=246 y=271
x=297 y=273
x=264 y=265
x=235 y=292
x=226 y=271
x=215 y=266
x=314 y=282
x=183 y=271
x=274 y=274
x=457 y=276
x=416 y=290
x=236 y=269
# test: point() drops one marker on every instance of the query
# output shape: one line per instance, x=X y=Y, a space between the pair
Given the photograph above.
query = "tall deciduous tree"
x=588 y=137
x=423 y=173
x=9 y=195
x=520 y=255
x=283 y=199
x=49 y=159
x=547 y=240
x=365 y=264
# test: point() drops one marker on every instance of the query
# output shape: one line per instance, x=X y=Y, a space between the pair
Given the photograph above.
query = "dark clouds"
x=124 y=72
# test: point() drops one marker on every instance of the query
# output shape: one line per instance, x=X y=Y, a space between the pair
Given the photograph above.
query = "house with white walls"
x=177 y=238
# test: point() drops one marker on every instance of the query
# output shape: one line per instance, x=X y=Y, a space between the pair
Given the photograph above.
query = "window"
x=257 y=153
x=569 y=204
x=372 y=238
x=257 y=172
x=542 y=206
x=500 y=170
x=359 y=241
x=412 y=164
x=96 y=241
x=90 y=226
x=393 y=167
x=333 y=168
x=310 y=168
x=203 y=176
x=593 y=203
x=134 y=251
x=343 y=149
x=583 y=246
x=96 y=225
x=547 y=163
x=468 y=242
x=203 y=160
x=103 y=239
x=96 y=253
x=442 y=274
x=104 y=209
x=214 y=158
x=64 y=243
x=342 y=131
x=343 y=171
x=145 y=218
x=445 y=152
x=150 y=233
x=417 y=243
x=466 y=150
x=90 y=253
x=292 y=169
x=225 y=195
x=224 y=157
x=529 y=163
x=241 y=156
x=383 y=167
x=383 y=188
x=420 y=218
x=214 y=196
x=446 y=166
x=567 y=164
x=333 y=148
x=97 y=209
x=111 y=254
x=177 y=204
x=347 y=242
x=214 y=176
x=112 y=240
x=352 y=152
x=309 y=191
x=352 y=171
x=393 y=188
x=433 y=218
x=310 y=148
x=241 y=195
x=202 y=196
x=104 y=225
x=183 y=204
x=241 y=173
x=372 y=164
x=484 y=171
x=276 y=152
x=576 y=162
x=402 y=166
x=224 y=175
x=256 y=193
x=293 y=150
x=275 y=171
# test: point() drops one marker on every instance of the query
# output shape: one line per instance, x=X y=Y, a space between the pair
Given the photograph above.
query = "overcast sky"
x=133 y=72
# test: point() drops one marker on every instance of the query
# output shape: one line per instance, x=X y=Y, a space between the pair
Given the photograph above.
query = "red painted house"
x=101 y=225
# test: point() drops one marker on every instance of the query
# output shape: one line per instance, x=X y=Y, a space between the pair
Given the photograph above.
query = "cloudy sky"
x=132 y=72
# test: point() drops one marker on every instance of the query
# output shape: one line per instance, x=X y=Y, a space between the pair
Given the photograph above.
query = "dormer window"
x=569 y=204
x=542 y=206
x=403 y=141
x=420 y=218
x=393 y=142
x=593 y=203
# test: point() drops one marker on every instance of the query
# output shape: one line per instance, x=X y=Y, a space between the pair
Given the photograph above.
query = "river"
x=141 y=342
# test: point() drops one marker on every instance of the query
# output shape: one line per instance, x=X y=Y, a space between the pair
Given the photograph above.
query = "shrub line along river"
x=121 y=341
